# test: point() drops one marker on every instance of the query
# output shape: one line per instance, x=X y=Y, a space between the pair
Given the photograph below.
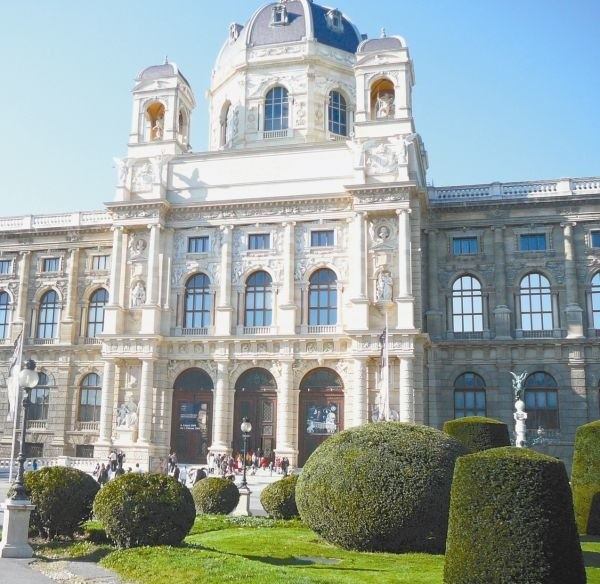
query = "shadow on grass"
x=591 y=559
x=44 y=553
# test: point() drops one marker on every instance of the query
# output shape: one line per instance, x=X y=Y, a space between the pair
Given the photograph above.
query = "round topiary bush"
x=511 y=514
x=380 y=487
x=478 y=433
x=145 y=509
x=63 y=499
x=215 y=495
x=585 y=478
x=279 y=499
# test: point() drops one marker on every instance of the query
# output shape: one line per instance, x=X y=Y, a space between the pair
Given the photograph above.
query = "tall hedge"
x=63 y=499
x=145 y=509
x=215 y=495
x=512 y=520
x=585 y=478
x=478 y=433
x=380 y=487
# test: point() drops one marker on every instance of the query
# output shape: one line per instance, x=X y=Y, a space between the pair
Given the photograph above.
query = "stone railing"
x=508 y=191
x=84 y=464
x=65 y=220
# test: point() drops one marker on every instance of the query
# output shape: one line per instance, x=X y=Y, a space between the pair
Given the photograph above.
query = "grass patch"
x=258 y=550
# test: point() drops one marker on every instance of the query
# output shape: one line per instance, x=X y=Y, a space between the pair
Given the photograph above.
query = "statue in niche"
x=384 y=105
x=138 y=294
x=158 y=129
x=127 y=416
x=383 y=292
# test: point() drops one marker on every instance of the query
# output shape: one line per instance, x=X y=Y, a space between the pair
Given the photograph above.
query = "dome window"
x=334 y=20
x=279 y=16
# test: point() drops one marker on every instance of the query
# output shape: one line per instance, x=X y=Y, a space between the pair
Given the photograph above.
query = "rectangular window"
x=101 y=262
x=532 y=242
x=321 y=238
x=198 y=244
x=465 y=245
x=5 y=266
x=51 y=265
x=595 y=238
x=259 y=241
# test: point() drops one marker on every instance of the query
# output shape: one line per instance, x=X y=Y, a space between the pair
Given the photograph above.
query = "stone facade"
x=255 y=279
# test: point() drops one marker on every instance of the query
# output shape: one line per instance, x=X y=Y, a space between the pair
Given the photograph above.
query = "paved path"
x=33 y=571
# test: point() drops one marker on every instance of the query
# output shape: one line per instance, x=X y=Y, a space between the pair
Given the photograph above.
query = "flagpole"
x=16 y=404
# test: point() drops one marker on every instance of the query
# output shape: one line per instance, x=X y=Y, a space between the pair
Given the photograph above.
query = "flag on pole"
x=13 y=377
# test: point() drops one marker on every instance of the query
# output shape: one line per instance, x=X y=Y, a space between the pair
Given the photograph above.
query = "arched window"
x=596 y=301
x=48 y=316
x=467 y=305
x=4 y=312
x=276 y=109
x=258 y=300
x=40 y=394
x=541 y=401
x=469 y=396
x=197 y=302
x=536 y=303
x=90 y=398
x=337 y=114
x=322 y=298
x=225 y=134
x=95 y=322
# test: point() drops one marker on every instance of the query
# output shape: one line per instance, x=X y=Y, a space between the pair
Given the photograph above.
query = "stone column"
x=107 y=403
x=433 y=314
x=287 y=305
x=152 y=287
x=573 y=312
x=112 y=313
x=285 y=413
x=145 y=403
x=407 y=397
x=221 y=422
x=69 y=324
x=359 y=299
x=404 y=299
x=501 y=311
x=224 y=310
x=22 y=301
x=360 y=395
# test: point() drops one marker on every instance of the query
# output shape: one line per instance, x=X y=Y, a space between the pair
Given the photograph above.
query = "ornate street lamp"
x=28 y=379
x=246 y=428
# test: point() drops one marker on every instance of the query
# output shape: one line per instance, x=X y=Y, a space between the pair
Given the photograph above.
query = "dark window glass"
x=338 y=118
x=321 y=238
x=90 y=399
x=259 y=241
x=532 y=242
x=465 y=245
x=95 y=323
x=596 y=301
x=197 y=302
x=51 y=265
x=5 y=266
x=101 y=262
x=469 y=396
x=4 y=312
x=40 y=395
x=276 y=109
x=536 y=303
x=198 y=244
x=48 y=316
x=258 y=300
x=467 y=305
x=541 y=401
x=322 y=298
x=595 y=238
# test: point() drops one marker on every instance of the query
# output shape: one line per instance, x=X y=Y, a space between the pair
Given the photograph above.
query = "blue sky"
x=505 y=90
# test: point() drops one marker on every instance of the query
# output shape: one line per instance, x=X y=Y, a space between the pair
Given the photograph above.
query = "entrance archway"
x=321 y=410
x=191 y=422
x=256 y=399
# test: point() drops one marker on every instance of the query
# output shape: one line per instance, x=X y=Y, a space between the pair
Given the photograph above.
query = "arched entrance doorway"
x=321 y=410
x=191 y=423
x=256 y=399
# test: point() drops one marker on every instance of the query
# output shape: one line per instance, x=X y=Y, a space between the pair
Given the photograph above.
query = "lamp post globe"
x=28 y=379
x=246 y=428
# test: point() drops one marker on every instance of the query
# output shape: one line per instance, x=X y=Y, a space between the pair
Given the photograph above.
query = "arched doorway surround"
x=321 y=410
x=191 y=422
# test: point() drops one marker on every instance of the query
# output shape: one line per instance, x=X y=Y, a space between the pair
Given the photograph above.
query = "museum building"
x=300 y=272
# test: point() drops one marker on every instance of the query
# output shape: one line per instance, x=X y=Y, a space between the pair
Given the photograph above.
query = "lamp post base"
x=243 y=506
x=15 y=529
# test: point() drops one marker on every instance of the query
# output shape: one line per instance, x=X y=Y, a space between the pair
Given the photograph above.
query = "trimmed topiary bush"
x=585 y=478
x=63 y=499
x=511 y=517
x=478 y=433
x=279 y=499
x=215 y=495
x=145 y=509
x=380 y=487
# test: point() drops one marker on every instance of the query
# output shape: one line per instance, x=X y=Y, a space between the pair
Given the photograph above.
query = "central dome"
x=296 y=20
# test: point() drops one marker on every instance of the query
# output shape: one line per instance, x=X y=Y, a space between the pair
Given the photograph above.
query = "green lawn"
x=229 y=549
